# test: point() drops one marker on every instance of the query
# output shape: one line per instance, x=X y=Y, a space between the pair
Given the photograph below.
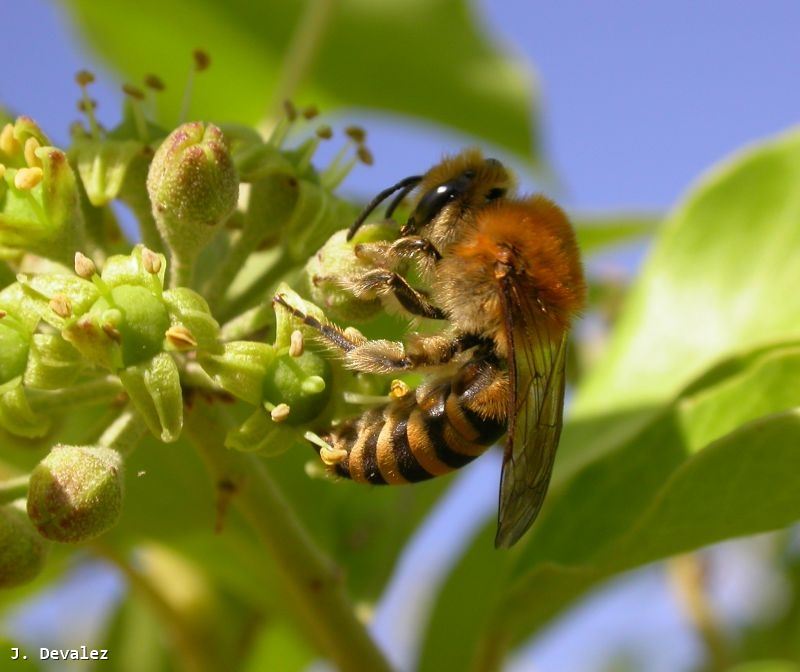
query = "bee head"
x=453 y=187
x=447 y=191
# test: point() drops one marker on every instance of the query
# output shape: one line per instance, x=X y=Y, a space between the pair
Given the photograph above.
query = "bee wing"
x=536 y=370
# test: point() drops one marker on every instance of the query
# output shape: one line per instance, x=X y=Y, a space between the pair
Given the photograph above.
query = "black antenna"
x=406 y=184
x=397 y=200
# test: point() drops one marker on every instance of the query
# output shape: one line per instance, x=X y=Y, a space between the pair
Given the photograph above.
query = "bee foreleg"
x=383 y=282
x=389 y=255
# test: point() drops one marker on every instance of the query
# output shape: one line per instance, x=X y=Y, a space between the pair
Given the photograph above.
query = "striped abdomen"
x=441 y=427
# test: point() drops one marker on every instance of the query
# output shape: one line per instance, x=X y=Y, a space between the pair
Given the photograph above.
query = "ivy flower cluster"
x=117 y=336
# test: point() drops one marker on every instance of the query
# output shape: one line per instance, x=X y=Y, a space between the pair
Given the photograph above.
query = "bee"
x=503 y=275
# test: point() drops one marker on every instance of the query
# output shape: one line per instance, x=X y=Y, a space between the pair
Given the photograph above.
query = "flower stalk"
x=313 y=583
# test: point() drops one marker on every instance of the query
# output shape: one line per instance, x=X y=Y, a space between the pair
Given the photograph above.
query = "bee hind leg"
x=342 y=339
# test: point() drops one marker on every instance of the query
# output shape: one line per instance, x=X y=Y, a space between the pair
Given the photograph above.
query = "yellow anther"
x=8 y=143
x=290 y=110
x=356 y=133
x=84 y=266
x=365 y=156
x=84 y=77
x=332 y=456
x=297 y=344
x=180 y=337
x=28 y=178
x=202 y=60
x=398 y=389
x=31 y=145
x=133 y=91
x=280 y=412
x=2 y=170
x=112 y=332
x=3 y=313
x=151 y=261
x=154 y=82
x=61 y=306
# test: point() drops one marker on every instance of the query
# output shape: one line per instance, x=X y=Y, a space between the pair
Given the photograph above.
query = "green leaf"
x=383 y=56
x=716 y=281
x=701 y=471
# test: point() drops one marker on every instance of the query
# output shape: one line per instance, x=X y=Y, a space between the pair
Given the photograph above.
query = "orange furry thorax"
x=533 y=240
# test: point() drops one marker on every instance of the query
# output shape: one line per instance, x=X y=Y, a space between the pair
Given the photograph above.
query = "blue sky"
x=638 y=99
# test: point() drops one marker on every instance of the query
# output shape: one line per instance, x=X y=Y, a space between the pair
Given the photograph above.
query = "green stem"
x=86 y=394
x=14 y=488
x=688 y=578
x=181 y=272
x=259 y=289
x=312 y=582
x=224 y=274
x=249 y=322
x=301 y=52
x=491 y=651
x=185 y=640
x=124 y=432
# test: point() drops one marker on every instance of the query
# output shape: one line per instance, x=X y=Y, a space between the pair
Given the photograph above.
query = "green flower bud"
x=75 y=493
x=15 y=343
x=193 y=187
x=50 y=293
x=52 y=364
x=240 y=369
x=337 y=260
x=188 y=309
x=135 y=269
x=154 y=387
x=22 y=550
x=138 y=316
x=301 y=383
x=103 y=165
x=18 y=418
x=40 y=205
x=123 y=328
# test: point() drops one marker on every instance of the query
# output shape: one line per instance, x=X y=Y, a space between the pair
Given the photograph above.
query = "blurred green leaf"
x=383 y=56
x=659 y=494
x=599 y=232
x=767 y=666
x=716 y=281
x=136 y=639
x=694 y=475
